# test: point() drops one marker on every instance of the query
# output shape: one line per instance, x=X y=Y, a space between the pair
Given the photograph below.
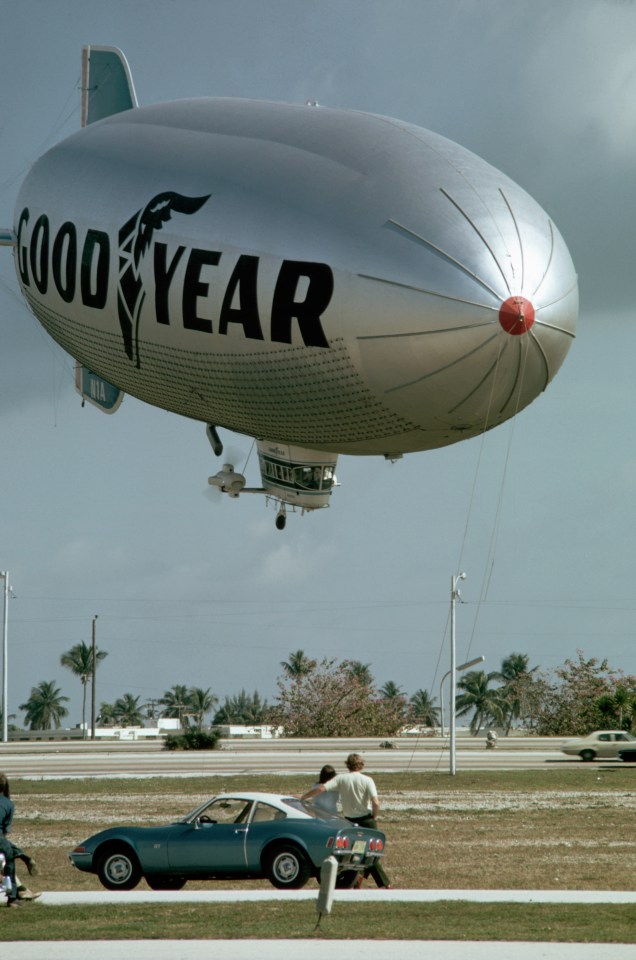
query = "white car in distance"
x=600 y=745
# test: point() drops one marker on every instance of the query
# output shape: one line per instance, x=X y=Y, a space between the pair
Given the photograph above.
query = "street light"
x=455 y=596
x=93 y=710
x=462 y=666
x=5 y=658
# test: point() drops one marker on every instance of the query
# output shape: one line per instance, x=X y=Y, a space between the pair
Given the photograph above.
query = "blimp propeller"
x=228 y=480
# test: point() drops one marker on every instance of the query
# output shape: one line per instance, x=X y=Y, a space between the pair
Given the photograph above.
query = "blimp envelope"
x=330 y=279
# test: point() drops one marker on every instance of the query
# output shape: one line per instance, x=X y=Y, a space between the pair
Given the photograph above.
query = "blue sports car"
x=235 y=836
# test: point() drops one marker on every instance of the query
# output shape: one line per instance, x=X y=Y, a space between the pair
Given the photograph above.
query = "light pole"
x=462 y=666
x=455 y=596
x=5 y=658
x=93 y=712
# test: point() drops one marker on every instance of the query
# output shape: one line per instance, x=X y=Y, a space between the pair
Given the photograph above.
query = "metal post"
x=453 y=683
x=93 y=683
x=451 y=704
x=5 y=659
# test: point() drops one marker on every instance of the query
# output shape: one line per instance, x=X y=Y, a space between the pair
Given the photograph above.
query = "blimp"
x=324 y=281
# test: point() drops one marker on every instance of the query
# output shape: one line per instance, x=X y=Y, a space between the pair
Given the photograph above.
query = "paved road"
x=64 y=759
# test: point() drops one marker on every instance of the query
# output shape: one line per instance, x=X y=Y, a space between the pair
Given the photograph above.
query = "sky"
x=109 y=517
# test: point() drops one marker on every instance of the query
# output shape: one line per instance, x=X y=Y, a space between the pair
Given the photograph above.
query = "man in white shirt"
x=359 y=801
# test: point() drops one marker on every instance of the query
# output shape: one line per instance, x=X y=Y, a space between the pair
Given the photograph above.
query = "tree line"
x=332 y=697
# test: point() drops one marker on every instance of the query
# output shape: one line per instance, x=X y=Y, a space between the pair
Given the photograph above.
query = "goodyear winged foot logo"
x=135 y=238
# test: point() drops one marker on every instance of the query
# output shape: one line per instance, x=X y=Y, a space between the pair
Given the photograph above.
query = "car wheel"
x=118 y=868
x=287 y=867
x=628 y=755
x=346 y=880
x=587 y=755
x=160 y=882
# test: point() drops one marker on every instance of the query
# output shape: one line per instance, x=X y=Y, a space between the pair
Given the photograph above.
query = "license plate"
x=359 y=846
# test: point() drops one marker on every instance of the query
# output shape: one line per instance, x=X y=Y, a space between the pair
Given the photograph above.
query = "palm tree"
x=10 y=717
x=423 y=708
x=127 y=712
x=243 y=708
x=631 y=708
x=176 y=702
x=391 y=691
x=622 y=699
x=44 y=709
x=616 y=707
x=487 y=704
x=201 y=702
x=106 y=715
x=516 y=679
x=298 y=666
x=79 y=660
x=361 y=672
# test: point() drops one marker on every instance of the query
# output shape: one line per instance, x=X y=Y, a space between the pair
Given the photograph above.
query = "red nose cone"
x=516 y=315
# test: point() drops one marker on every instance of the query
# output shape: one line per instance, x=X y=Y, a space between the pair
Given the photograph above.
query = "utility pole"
x=455 y=595
x=93 y=684
x=5 y=658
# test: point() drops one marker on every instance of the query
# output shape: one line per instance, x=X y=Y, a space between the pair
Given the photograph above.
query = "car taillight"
x=343 y=843
x=79 y=850
x=376 y=846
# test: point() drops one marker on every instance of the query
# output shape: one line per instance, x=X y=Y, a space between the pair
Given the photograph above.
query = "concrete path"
x=341 y=896
x=315 y=950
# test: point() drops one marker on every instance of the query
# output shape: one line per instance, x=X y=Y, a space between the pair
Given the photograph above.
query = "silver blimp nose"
x=488 y=299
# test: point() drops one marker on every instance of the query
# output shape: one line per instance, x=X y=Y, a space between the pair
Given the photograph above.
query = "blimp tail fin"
x=107 y=85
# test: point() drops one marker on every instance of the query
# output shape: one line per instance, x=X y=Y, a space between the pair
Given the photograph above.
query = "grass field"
x=572 y=829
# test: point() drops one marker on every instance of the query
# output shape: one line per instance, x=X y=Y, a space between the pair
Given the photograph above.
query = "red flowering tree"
x=576 y=701
x=333 y=699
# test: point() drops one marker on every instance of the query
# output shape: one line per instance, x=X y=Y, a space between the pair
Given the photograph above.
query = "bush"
x=192 y=739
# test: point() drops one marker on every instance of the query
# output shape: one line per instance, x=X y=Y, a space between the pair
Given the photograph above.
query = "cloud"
x=291 y=563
